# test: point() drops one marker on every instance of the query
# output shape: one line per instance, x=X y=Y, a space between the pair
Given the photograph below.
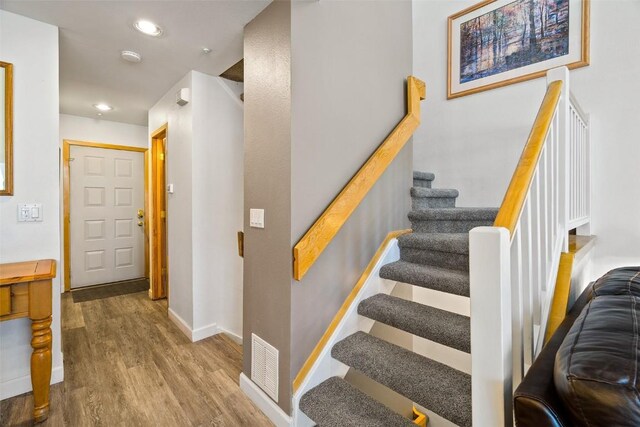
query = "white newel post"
x=491 y=360
x=512 y=282
x=562 y=73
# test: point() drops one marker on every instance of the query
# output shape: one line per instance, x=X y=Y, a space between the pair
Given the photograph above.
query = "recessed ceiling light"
x=148 y=27
x=206 y=50
x=103 y=107
x=131 y=56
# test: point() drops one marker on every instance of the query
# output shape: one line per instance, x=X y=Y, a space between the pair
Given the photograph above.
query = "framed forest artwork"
x=499 y=42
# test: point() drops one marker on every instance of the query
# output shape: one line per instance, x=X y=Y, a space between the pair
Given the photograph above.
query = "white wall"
x=473 y=143
x=237 y=88
x=204 y=163
x=179 y=221
x=217 y=204
x=33 y=49
x=96 y=130
x=104 y=131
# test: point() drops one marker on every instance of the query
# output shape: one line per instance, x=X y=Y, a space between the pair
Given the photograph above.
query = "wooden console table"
x=25 y=291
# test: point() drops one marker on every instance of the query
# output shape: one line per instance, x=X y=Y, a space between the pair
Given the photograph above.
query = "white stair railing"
x=579 y=166
x=514 y=264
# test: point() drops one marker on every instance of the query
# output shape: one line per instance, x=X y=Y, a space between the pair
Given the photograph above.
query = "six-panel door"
x=106 y=234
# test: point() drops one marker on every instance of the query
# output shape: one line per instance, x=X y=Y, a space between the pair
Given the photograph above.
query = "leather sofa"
x=588 y=373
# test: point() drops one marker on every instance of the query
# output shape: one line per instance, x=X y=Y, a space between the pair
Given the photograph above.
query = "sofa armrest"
x=536 y=402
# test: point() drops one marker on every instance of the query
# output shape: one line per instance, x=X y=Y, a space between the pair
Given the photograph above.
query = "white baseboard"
x=21 y=385
x=235 y=337
x=203 y=332
x=193 y=334
x=264 y=402
x=180 y=323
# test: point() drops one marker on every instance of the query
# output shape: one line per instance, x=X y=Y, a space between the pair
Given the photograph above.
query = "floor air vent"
x=264 y=366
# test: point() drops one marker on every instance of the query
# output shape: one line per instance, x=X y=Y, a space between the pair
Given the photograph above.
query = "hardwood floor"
x=127 y=364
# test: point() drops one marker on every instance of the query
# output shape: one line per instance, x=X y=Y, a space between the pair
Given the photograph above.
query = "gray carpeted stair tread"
x=424 y=176
x=427 y=276
x=425 y=197
x=457 y=243
x=443 y=219
x=423 y=179
x=438 y=387
x=420 y=192
x=336 y=403
x=455 y=214
x=444 y=327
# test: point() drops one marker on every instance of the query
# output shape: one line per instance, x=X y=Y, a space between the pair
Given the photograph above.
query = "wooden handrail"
x=560 y=301
x=516 y=194
x=318 y=237
x=311 y=360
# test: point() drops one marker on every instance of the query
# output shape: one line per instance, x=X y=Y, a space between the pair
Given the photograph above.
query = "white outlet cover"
x=29 y=212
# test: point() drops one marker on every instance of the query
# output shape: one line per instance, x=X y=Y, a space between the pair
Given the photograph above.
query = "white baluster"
x=527 y=284
x=516 y=308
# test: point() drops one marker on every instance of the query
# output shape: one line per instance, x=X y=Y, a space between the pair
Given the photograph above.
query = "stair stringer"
x=326 y=366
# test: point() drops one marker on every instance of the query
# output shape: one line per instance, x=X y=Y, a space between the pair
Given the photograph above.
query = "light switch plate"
x=256 y=218
x=29 y=212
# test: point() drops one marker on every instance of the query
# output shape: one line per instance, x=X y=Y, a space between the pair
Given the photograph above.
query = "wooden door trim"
x=66 y=207
x=162 y=129
x=157 y=258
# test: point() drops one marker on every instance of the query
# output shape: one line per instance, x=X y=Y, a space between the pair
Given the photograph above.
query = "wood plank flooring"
x=127 y=364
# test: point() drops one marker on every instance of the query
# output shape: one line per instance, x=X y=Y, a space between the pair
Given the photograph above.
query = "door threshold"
x=99 y=285
x=90 y=293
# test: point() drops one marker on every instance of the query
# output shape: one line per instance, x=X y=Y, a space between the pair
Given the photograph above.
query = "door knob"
x=140 y=213
x=140 y=223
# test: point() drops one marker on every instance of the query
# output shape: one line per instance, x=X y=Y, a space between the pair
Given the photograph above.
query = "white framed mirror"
x=6 y=129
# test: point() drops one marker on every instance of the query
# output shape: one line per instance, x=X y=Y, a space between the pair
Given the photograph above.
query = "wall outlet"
x=29 y=212
x=256 y=218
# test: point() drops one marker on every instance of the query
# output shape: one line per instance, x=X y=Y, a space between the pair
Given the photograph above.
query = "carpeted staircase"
x=434 y=256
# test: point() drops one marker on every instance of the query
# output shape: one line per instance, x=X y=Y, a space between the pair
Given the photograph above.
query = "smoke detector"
x=131 y=56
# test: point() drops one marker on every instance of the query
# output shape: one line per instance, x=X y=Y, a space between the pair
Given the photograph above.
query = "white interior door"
x=107 y=237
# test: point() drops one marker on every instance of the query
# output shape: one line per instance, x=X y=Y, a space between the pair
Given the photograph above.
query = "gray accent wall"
x=267 y=185
x=350 y=61
x=324 y=85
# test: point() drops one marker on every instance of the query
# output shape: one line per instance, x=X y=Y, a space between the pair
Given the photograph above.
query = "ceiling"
x=93 y=33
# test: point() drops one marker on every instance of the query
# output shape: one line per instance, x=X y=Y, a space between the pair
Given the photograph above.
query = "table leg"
x=41 y=366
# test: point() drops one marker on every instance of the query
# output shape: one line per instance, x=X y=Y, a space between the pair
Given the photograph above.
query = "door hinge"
x=161 y=156
x=164 y=270
x=163 y=214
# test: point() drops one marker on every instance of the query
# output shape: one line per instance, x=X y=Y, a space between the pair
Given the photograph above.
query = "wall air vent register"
x=264 y=366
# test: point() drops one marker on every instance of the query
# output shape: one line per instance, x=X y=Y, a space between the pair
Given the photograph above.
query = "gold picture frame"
x=6 y=139
x=468 y=74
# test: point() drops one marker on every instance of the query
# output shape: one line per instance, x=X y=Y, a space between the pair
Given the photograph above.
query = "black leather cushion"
x=536 y=402
x=621 y=281
x=596 y=367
